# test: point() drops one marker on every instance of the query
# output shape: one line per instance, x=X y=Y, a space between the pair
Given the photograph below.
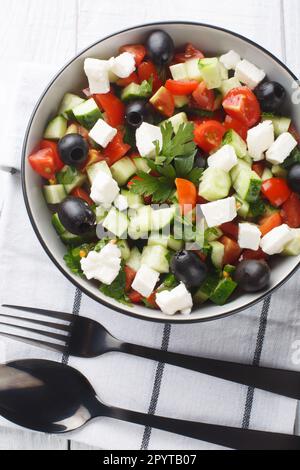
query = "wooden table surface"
x=54 y=31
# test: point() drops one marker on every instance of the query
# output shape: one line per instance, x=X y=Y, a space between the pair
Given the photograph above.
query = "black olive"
x=188 y=268
x=200 y=161
x=76 y=216
x=294 y=178
x=73 y=150
x=271 y=96
x=252 y=275
x=160 y=47
x=137 y=112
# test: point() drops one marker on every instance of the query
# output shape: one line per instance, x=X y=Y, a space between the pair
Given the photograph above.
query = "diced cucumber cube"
x=215 y=184
x=116 y=222
x=56 y=128
x=101 y=213
x=194 y=70
x=174 y=244
x=179 y=72
x=223 y=291
x=60 y=229
x=69 y=102
x=162 y=218
x=211 y=72
x=55 y=194
x=93 y=170
x=180 y=101
x=157 y=239
x=243 y=207
x=71 y=240
x=235 y=172
x=134 y=200
x=232 y=138
x=281 y=124
x=248 y=186
x=135 y=91
x=72 y=129
x=123 y=170
x=140 y=224
x=207 y=289
x=217 y=254
x=213 y=234
x=77 y=183
x=293 y=247
x=141 y=165
x=279 y=172
x=228 y=85
x=87 y=113
x=223 y=71
x=134 y=261
x=267 y=174
x=155 y=257
x=176 y=121
x=125 y=250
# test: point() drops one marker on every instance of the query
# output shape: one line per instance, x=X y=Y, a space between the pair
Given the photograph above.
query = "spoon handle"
x=281 y=382
x=232 y=438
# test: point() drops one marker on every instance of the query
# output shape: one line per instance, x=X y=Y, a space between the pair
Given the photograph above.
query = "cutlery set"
x=54 y=398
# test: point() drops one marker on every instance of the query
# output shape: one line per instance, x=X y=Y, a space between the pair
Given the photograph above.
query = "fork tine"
x=56 y=326
x=49 y=313
x=39 y=332
x=34 y=342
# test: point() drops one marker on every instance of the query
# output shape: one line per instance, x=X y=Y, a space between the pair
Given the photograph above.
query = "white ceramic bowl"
x=212 y=40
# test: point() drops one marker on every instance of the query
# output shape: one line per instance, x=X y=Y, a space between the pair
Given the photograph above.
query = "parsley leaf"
x=195 y=175
x=175 y=145
x=117 y=288
x=67 y=175
x=160 y=188
x=184 y=164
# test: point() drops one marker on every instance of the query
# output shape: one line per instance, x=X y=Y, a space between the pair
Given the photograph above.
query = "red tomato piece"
x=46 y=144
x=130 y=275
x=254 y=255
x=151 y=301
x=138 y=50
x=242 y=104
x=276 y=190
x=259 y=168
x=146 y=70
x=113 y=107
x=291 y=211
x=133 y=78
x=82 y=194
x=181 y=87
x=135 y=297
x=230 y=229
x=163 y=102
x=204 y=98
x=187 y=195
x=269 y=223
x=237 y=126
x=116 y=149
x=209 y=135
x=232 y=250
x=43 y=163
x=190 y=53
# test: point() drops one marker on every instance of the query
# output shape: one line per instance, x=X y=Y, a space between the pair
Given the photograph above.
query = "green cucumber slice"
x=69 y=102
x=211 y=72
x=213 y=234
x=134 y=200
x=93 y=170
x=223 y=291
x=135 y=91
x=162 y=218
x=176 y=121
x=55 y=194
x=215 y=184
x=228 y=85
x=207 y=289
x=123 y=170
x=174 y=244
x=116 y=222
x=60 y=229
x=281 y=124
x=155 y=257
x=248 y=186
x=141 y=165
x=125 y=250
x=217 y=254
x=232 y=138
x=56 y=128
x=87 y=113
x=134 y=261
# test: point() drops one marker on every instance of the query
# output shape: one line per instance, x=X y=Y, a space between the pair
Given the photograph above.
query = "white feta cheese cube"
x=260 y=139
x=121 y=202
x=97 y=72
x=103 y=266
x=230 y=60
x=104 y=189
x=145 y=280
x=249 y=74
x=146 y=135
x=281 y=148
x=225 y=158
x=176 y=300
x=123 y=65
x=274 y=242
x=249 y=236
x=193 y=70
x=179 y=72
x=219 y=212
x=102 y=133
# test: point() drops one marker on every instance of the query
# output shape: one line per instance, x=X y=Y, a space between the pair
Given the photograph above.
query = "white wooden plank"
x=258 y=19
x=42 y=32
x=291 y=21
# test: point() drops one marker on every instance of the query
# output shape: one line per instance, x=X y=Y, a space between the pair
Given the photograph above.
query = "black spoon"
x=54 y=398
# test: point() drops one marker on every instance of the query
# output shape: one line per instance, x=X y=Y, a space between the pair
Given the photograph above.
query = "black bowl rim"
x=40 y=238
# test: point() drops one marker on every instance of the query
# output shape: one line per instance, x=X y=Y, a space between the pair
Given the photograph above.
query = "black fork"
x=86 y=338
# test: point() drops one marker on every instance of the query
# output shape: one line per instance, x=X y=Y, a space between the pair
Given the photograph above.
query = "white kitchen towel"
x=266 y=334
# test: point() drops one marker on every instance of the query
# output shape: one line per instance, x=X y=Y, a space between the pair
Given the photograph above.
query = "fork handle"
x=232 y=438
x=281 y=382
